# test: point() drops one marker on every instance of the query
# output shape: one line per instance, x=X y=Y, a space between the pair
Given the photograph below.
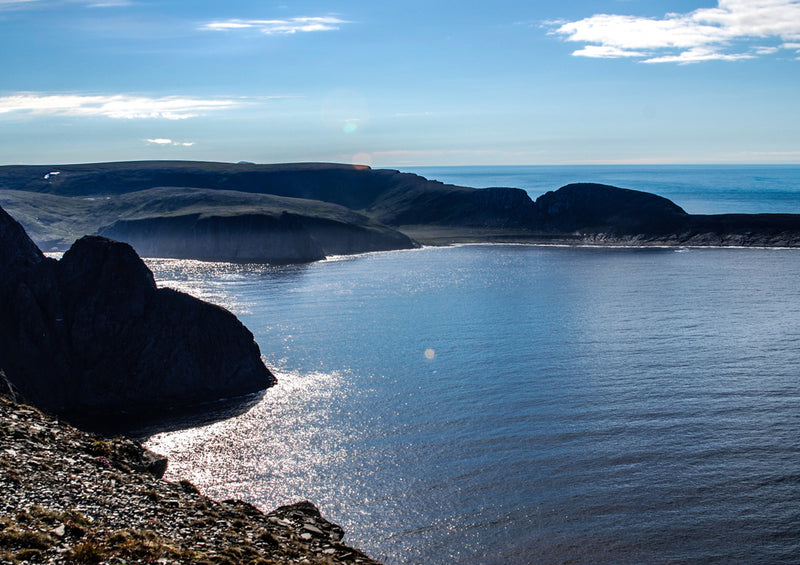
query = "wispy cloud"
x=169 y=142
x=279 y=27
x=120 y=106
x=734 y=30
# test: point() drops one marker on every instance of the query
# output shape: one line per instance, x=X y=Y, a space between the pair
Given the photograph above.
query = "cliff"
x=67 y=496
x=253 y=237
x=607 y=215
x=92 y=335
x=302 y=211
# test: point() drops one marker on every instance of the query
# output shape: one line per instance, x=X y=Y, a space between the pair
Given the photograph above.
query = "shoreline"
x=71 y=496
x=438 y=237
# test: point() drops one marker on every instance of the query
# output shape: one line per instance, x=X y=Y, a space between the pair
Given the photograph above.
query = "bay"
x=489 y=404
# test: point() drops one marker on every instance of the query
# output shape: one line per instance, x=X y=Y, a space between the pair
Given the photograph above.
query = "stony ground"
x=67 y=496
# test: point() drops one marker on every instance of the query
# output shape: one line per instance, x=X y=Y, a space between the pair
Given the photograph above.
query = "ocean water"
x=698 y=189
x=486 y=404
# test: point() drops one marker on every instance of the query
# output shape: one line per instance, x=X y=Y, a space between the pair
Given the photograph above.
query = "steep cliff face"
x=18 y=251
x=270 y=238
x=92 y=334
x=245 y=237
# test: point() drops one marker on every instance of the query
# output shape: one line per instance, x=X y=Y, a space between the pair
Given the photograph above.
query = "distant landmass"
x=306 y=211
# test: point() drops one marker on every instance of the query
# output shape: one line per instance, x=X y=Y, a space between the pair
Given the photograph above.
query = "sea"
x=521 y=404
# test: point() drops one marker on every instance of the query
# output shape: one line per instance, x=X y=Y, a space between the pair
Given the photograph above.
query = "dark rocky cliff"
x=607 y=215
x=350 y=209
x=598 y=208
x=246 y=237
x=92 y=334
x=253 y=237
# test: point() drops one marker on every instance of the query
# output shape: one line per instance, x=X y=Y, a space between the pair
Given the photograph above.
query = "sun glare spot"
x=363 y=159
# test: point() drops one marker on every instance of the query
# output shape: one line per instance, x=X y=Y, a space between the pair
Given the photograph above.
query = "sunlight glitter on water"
x=287 y=440
x=213 y=282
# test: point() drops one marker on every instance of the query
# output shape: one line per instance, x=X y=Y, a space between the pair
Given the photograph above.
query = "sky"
x=400 y=84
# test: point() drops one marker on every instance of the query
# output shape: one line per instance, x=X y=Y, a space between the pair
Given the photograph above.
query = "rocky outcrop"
x=597 y=208
x=67 y=496
x=91 y=334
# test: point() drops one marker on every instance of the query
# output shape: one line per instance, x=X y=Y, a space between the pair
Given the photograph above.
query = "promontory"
x=306 y=211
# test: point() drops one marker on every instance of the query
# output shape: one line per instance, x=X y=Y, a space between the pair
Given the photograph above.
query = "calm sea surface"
x=517 y=404
x=698 y=189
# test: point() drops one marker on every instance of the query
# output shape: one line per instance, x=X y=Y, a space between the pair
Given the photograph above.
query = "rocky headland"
x=305 y=211
x=67 y=496
x=92 y=335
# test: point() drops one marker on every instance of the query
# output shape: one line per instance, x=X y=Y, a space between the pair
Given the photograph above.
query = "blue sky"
x=396 y=84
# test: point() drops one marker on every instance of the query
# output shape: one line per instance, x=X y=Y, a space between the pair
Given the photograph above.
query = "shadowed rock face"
x=281 y=238
x=595 y=208
x=246 y=237
x=92 y=334
x=17 y=250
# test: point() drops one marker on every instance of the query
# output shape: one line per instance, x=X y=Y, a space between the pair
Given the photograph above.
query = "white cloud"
x=697 y=54
x=721 y=33
x=120 y=106
x=279 y=27
x=606 y=52
x=165 y=141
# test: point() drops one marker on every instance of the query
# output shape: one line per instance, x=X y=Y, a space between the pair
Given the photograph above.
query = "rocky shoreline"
x=68 y=496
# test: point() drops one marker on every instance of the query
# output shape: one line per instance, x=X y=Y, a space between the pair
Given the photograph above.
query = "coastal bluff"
x=91 y=335
x=302 y=212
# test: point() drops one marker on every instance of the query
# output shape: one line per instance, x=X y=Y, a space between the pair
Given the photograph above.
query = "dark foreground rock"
x=71 y=497
x=92 y=335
